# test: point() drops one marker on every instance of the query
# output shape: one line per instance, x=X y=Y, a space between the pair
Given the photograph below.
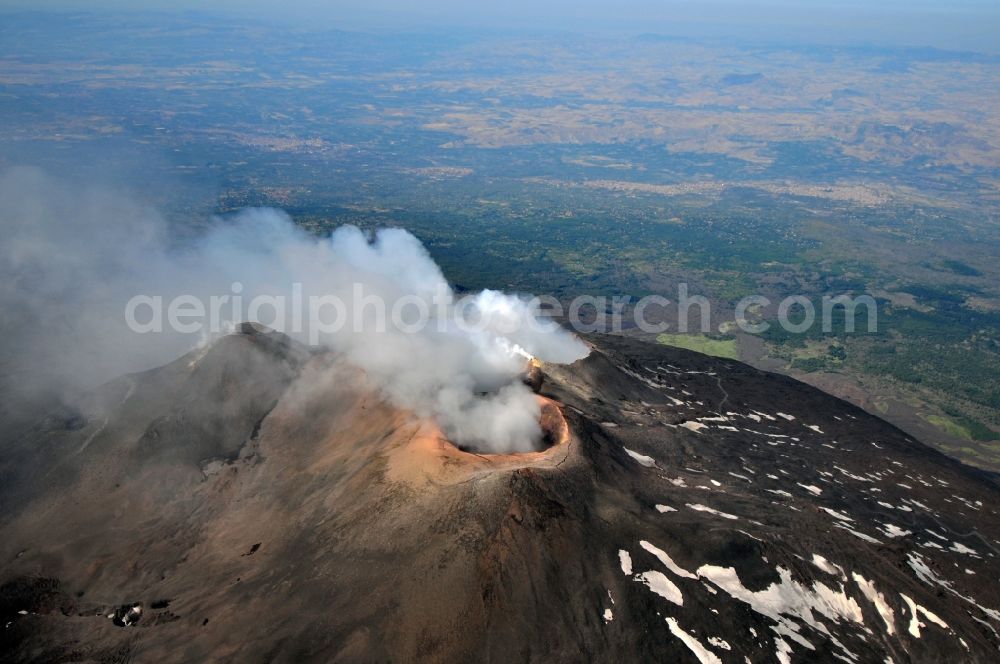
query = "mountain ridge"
x=696 y=509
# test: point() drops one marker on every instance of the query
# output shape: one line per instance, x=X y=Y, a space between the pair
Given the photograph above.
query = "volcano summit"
x=260 y=501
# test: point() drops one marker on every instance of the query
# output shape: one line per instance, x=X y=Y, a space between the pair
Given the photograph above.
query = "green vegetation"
x=982 y=455
x=963 y=427
x=810 y=364
x=949 y=426
x=976 y=430
x=716 y=347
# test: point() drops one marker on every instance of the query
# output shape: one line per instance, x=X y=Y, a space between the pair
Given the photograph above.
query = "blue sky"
x=955 y=24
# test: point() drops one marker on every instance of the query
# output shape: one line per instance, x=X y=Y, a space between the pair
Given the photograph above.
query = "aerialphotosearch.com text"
x=359 y=309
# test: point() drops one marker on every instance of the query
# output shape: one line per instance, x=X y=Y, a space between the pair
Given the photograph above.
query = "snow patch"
x=825 y=565
x=662 y=586
x=915 y=611
x=693 y=426
x=642 y=459
x=709 y=510
x=788 y=602
x=704 y=655
x=892 y=530
x=626 y=562
x=667 y=561
x=859 y=535
x=958 y=547
x=837 y=515
x=876 y=598
x=716 y=642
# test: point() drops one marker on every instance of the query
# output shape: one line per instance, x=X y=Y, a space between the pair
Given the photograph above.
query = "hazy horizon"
x=970 y=25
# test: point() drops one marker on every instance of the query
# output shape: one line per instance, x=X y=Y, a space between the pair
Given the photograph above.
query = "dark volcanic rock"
x=699 y=509
x=127 y=615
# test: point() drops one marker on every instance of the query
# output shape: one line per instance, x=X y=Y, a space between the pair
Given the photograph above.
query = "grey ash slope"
x=757 y=473
x=699 y=510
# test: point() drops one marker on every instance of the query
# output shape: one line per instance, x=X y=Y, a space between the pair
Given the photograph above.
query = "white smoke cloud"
x=72 y=259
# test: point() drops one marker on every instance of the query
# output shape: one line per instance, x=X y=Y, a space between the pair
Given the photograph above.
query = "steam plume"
x=72 y=259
